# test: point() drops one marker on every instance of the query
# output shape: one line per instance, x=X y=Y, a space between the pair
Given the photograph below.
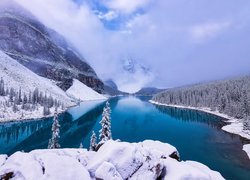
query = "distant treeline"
x=19 y=100
x=231 y=97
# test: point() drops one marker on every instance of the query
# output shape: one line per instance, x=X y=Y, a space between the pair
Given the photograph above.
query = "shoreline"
x=34 y=118
x=42 y=117
x=235 y=126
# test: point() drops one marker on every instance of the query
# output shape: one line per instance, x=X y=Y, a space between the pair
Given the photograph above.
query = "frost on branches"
x=93 y=142
x=18 y=104
x=105 y=132
x=54 y=141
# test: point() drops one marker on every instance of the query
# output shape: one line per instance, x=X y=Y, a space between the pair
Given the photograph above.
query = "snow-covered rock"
x=246 y=148
x=107 y=171
x=113 y=161
x=82 y=92
x=3 y=159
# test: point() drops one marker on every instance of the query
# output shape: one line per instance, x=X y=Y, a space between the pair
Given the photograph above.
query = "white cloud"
x=126 y=6
x=160 y=37
x=202 y=32
x=110 y=15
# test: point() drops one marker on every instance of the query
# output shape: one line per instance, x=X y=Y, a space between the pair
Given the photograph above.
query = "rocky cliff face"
x=42 y=50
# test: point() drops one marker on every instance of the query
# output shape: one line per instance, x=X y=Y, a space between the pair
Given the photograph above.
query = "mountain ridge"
x=43 y=50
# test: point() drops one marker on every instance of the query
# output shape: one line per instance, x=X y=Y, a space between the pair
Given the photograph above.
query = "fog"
x=179 y=42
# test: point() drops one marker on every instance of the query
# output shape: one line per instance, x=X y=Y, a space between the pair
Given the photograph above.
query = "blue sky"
x=180 y=41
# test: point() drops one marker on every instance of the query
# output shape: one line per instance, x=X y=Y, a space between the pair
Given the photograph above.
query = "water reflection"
x=29 y=135
x=193 y=115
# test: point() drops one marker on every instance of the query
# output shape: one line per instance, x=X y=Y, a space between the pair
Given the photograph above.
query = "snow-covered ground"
x=246 y=148
x=113 y=161
x=80 y=91
x=235 y=126
x=17 y=76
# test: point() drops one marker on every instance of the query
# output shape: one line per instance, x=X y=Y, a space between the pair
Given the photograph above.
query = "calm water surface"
x=196 y=135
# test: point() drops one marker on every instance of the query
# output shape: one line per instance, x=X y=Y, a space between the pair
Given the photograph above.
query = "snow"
x=16 y=75
x=80 y=91
x=246 y=148
x=113 y=161
x=107 y=171
x=3 y=159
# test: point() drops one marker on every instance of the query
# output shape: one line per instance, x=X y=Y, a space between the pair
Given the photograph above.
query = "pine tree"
x=93 y=142
x=54 y=141
x=105 y=132
x=19 y=100
x=81 y=145
x=2 y=89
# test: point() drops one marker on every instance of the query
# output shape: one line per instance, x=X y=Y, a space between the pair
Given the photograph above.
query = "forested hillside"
x=16 y=103
x=231 y=97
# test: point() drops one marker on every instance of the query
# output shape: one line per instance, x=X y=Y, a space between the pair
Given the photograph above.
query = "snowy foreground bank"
x=113 y=161
x=235 y=126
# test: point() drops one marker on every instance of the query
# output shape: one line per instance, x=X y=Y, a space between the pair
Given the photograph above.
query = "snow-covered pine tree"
x=54 y=141
x=81 y=145
x=93 y=144
x=105 y=132
x=108 y=108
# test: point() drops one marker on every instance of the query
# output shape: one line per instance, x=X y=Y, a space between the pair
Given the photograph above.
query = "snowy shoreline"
x=33 y=117
x=235 y=126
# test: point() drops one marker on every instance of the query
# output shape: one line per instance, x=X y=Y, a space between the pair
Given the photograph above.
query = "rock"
x=113 y=161
x=107 y=171
x=42 y=50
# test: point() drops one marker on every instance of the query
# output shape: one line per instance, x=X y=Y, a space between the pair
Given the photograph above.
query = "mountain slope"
x=42 y=50
x=111 y=88
x=17 y=76
x=80 y=91
x=148 y=91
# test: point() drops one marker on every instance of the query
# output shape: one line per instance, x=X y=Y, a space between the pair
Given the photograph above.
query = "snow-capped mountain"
x=132 y=66
x=133 y=75
x=16 y=76
x=41 y=49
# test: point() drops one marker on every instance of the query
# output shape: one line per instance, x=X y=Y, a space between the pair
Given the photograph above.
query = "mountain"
x=111 y=84
x=131 y=66
x=148 y=91
x=111 y=88
x=16 y=76
x=42 y=50
x=76 y=92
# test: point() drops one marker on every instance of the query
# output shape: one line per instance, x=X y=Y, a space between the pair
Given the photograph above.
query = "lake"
x=196 y=135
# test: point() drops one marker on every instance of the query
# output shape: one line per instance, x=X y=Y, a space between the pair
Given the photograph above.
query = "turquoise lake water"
x=196 y=135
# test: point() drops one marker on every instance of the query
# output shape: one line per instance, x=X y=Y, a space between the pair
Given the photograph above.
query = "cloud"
x=126 y=6
x=181 y=41
x=110 y=15
x=202 y=32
